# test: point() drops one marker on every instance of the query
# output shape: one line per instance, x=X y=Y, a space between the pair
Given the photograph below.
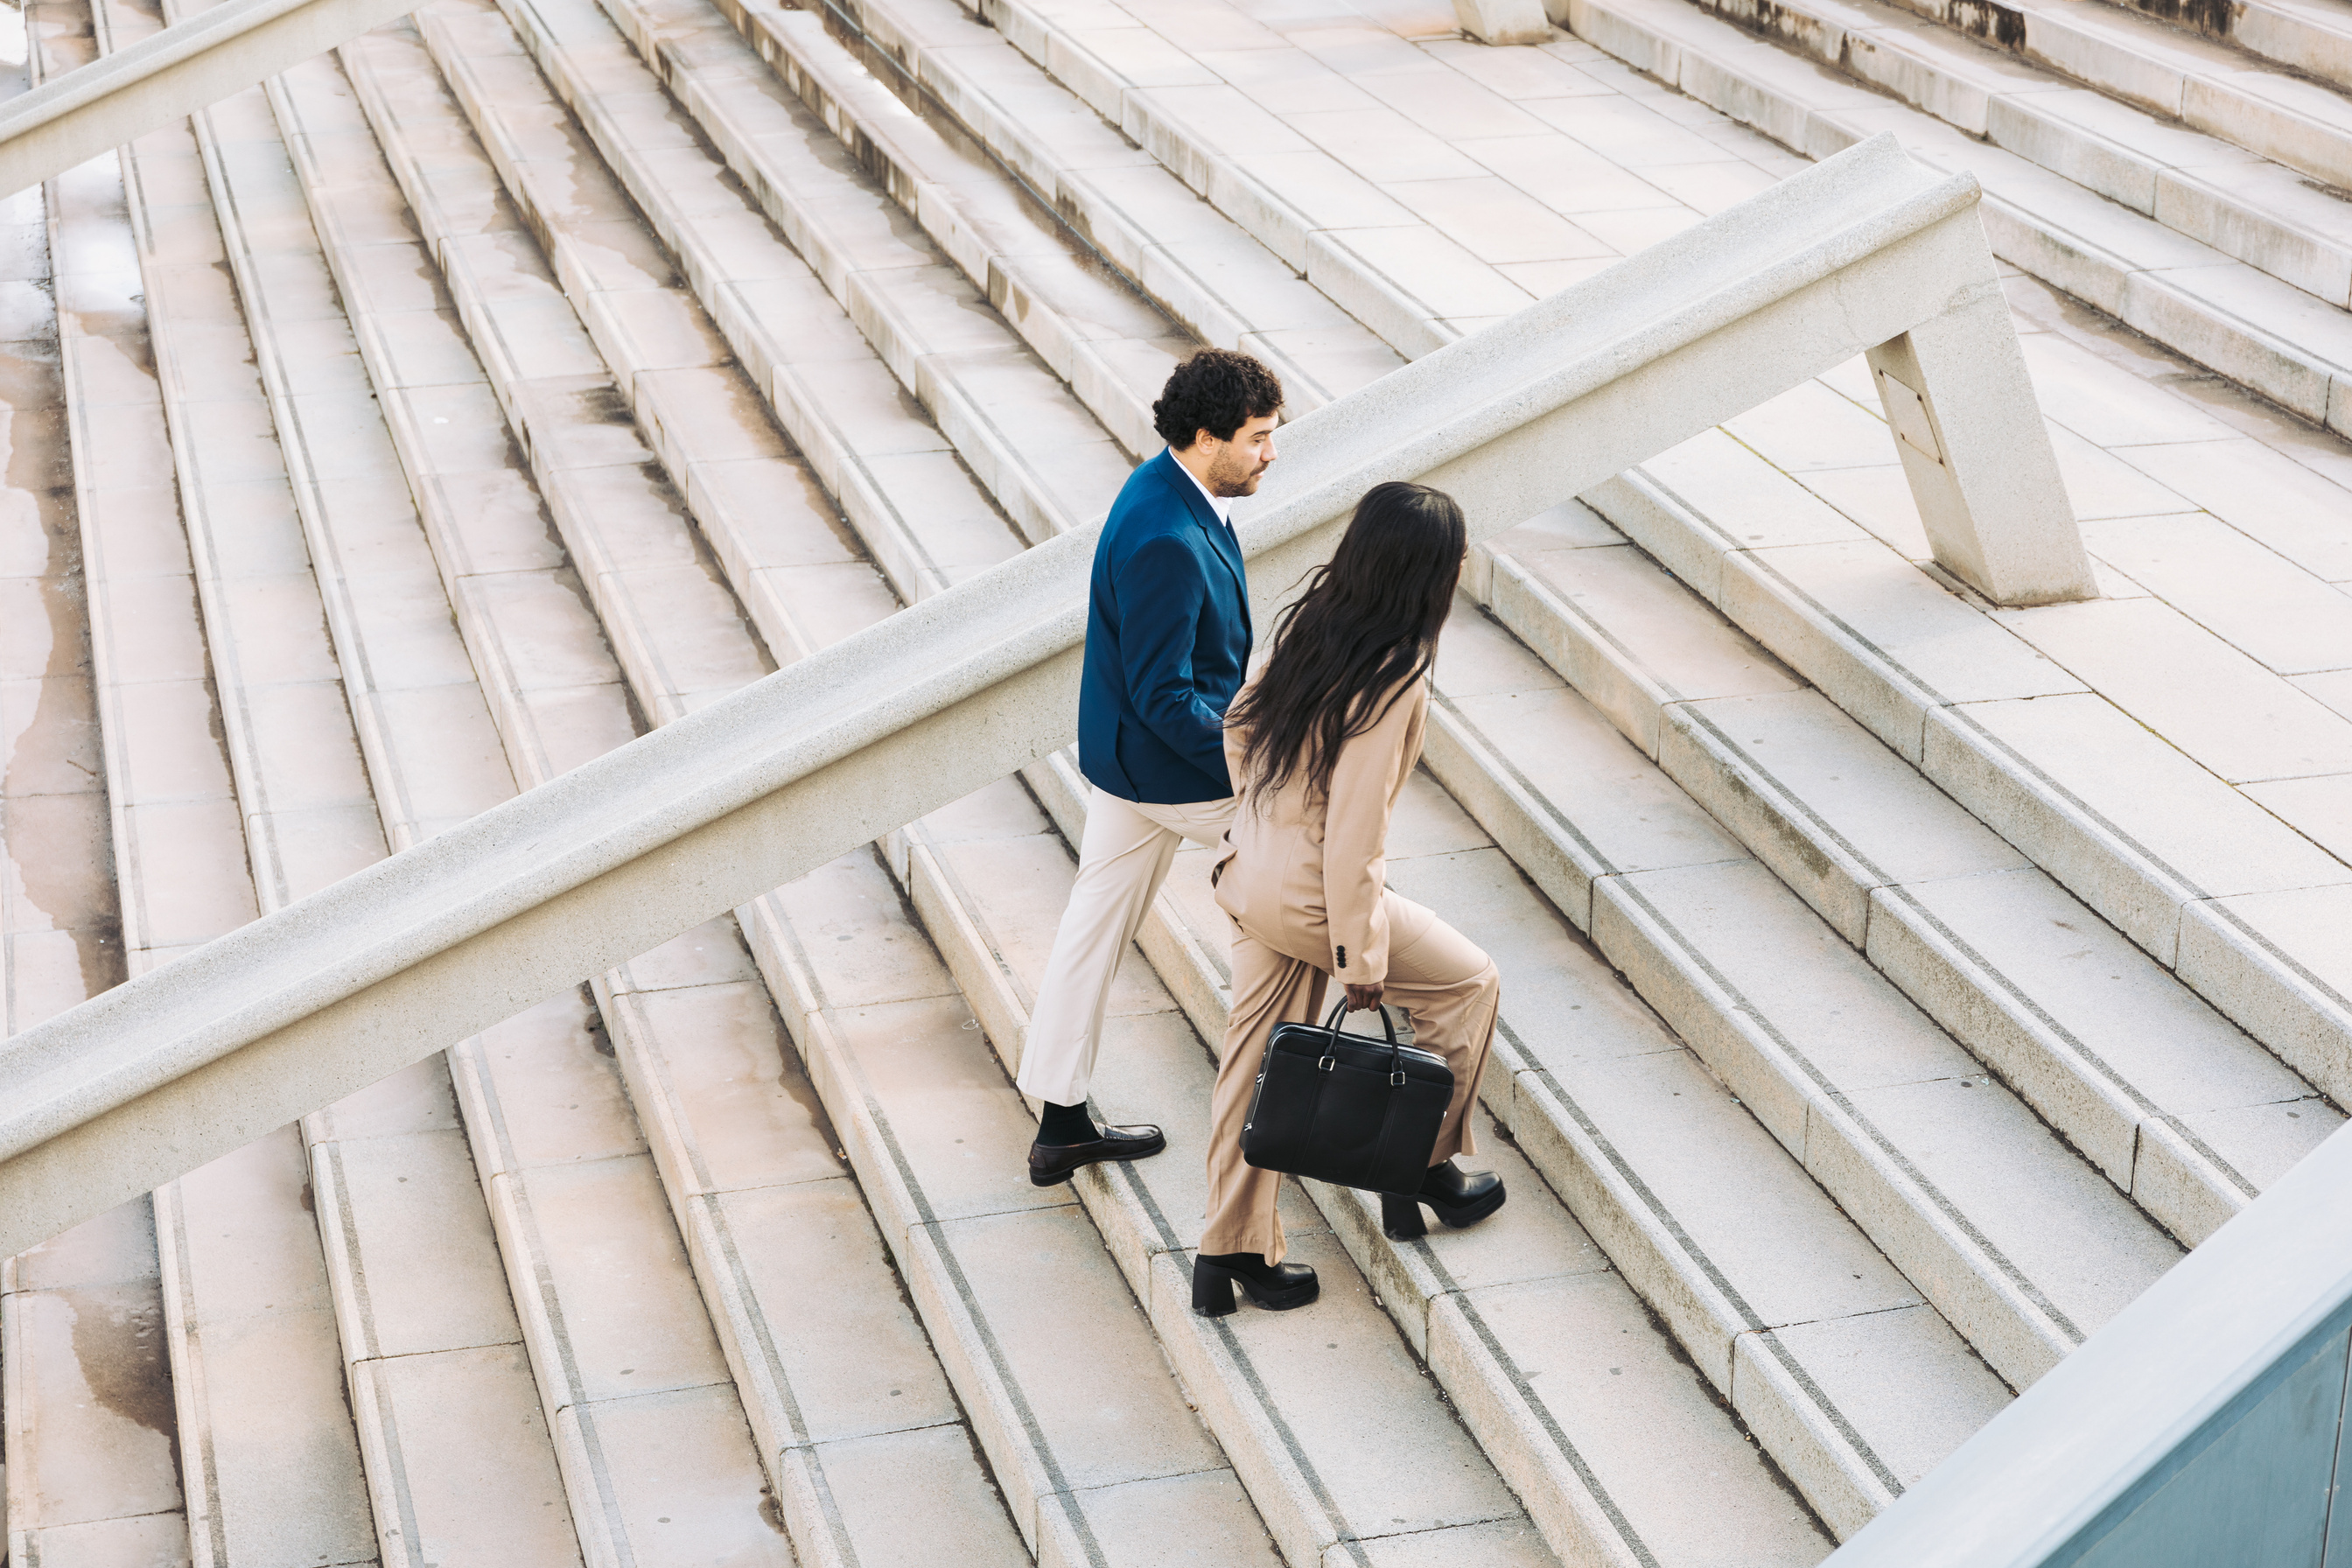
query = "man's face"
x=1235 y=467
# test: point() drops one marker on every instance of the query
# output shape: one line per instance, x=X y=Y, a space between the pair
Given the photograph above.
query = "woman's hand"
x=1363 y=998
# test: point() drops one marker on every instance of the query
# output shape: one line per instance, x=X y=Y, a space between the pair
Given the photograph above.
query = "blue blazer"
x=1167 y=641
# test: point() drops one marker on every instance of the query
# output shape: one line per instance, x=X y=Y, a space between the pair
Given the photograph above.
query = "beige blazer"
x=1301 y=871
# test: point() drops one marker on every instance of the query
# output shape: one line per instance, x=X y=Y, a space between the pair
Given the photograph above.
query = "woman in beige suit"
x=1320 y=742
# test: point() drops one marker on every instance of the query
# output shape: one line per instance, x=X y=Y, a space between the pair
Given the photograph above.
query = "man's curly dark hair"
x=1216 y=390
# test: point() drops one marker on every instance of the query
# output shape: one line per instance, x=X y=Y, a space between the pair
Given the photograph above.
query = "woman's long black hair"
x=1366 y=626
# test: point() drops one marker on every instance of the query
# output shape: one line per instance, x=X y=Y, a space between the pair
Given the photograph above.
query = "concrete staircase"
x=453 y=409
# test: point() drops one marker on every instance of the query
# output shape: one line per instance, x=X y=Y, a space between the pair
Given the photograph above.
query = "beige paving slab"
x=87 y=1404
x=1811 y=427
x=60 y=930
x=2261 y=603
x=2262 y=493
x=2220 y=707
x=442 y=1486
x=413 y=1237
x=261 y=1396
x=1772 y=501
x=2320 y=808
x=2080 y=392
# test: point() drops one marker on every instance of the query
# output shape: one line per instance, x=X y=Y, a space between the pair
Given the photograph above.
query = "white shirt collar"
x=1222 y=505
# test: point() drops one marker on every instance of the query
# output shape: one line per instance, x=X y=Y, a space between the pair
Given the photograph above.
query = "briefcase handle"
x=1396 y=1047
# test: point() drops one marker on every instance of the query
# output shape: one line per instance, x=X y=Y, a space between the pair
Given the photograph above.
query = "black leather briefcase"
x=1345 y=1109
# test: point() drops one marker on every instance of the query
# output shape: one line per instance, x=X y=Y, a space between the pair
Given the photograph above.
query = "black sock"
x=1058 y=1126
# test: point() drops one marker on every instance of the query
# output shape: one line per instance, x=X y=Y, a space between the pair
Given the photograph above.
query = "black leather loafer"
x=1051 y=1165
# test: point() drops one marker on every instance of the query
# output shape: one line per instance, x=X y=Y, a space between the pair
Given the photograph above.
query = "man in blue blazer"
x=1168 y=642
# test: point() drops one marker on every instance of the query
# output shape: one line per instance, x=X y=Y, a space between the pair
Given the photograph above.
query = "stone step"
x=60 y=944
x=2177 y=1106
x=1189 y=259
x=2012 y=1236
x=761 y=505
x=2225 y=176
x=744 y=1305
x=2313 y=37
x=659 y=1453
x=433 y=1352
x=924 y=518
x=671 y=1476
x=2282 y=115
x=268 y=1438
x=1024 y=434
x=439 y=1352
x=1852 y=1384
x=92 y=1414
x=903 y=1063
x=1095 y=1446
x=658 y=1458
x=544 y=54
x=2264 y=333
x=85 y=1399
x=1582 y=1403
x=1408 y=281
x=2067 y=734
x=61 y=926
x=856 y=1420
x=681 y=635
x=1814 y=1550
x=1110 y=345
x=67 y=1472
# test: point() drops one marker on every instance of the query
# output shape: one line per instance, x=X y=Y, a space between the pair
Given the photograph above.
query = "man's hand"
x=1363 y=998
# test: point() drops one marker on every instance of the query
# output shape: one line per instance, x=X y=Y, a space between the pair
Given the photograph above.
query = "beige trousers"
x=1435 y=974
x=1122 y=860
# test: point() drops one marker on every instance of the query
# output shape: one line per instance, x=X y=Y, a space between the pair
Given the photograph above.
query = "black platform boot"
x=1277 y=1287
x=1461 y=1199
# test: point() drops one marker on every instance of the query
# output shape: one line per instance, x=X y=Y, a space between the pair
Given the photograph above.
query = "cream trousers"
x=1122 y=861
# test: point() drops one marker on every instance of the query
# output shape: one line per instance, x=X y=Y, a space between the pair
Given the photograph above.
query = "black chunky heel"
x=1461 y=1199
x=1213 y=1291
x=1400 y=1218
x=1277 y=1287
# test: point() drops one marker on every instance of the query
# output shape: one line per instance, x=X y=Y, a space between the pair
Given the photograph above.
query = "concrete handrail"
x=2202 y=1426
x=98 y=107
x=1868 y=251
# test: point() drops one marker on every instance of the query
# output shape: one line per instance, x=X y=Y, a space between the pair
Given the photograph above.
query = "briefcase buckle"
x=1323 y=1066
x=1396 y=1078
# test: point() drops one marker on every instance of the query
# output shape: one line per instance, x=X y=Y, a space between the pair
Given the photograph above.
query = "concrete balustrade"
x=609 y=861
